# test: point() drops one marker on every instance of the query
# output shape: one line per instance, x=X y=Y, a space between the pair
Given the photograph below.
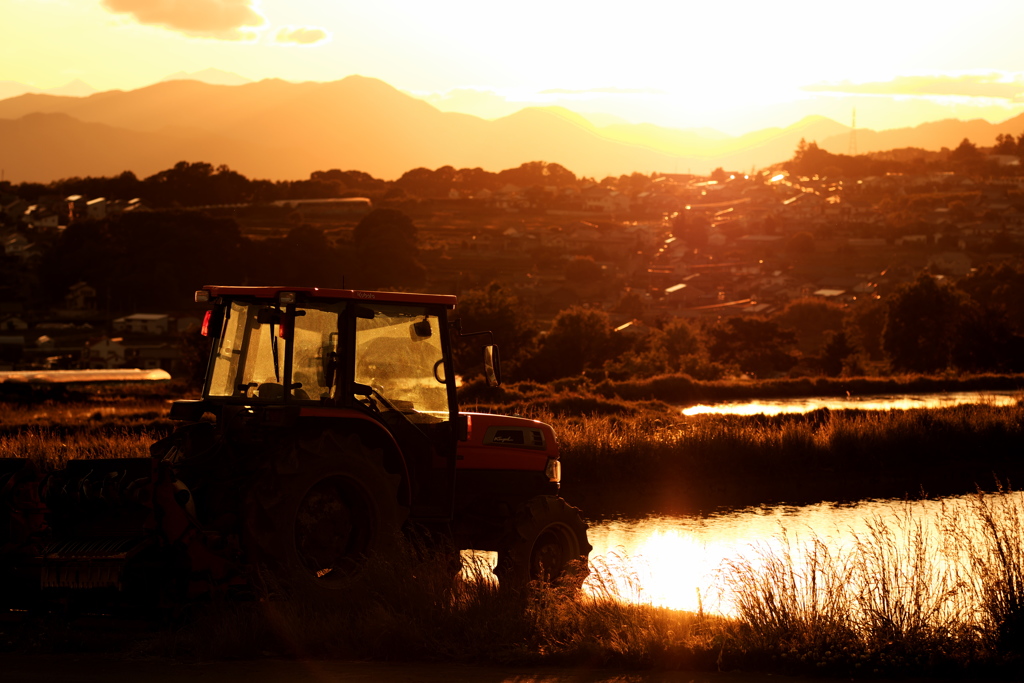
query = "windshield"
x=250 y=359
x=399 y=355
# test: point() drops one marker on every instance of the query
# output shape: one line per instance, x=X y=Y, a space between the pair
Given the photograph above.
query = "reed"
x=908 y=595
x=50 y=448
x=900 y=598
x=710 y=460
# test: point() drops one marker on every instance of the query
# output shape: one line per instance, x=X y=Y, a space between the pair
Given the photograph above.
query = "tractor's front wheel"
x=546 y=542
x=309 y=532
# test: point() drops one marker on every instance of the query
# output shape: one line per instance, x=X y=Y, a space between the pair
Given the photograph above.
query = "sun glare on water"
x=668 y=569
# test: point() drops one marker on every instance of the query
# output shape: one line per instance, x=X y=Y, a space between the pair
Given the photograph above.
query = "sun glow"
x=736 y=67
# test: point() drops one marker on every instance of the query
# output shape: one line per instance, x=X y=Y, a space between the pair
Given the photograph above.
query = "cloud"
x=610 y=90
x=996 y=86
x=220 y=19
x=302 y=35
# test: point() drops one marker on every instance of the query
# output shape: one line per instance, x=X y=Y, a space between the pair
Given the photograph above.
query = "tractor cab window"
x=315 y=358
x=250 y=358
x=399 y=356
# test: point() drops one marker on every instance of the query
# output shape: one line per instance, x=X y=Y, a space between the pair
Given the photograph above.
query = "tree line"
x=928 y=325
x=810 y=160
x=154 y=260
x=196 y=184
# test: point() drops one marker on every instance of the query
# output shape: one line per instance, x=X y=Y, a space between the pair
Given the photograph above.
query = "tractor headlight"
x=554 y=470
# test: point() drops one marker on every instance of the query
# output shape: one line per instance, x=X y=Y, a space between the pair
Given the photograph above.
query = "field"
x=903 y=601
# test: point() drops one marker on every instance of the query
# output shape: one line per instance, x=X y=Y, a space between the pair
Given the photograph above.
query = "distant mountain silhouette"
x=932 y=136
x=76 y=88
x=211 y=76
x=279 y=130
x=44 y=147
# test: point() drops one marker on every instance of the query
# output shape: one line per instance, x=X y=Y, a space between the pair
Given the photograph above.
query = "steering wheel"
x=437 y=366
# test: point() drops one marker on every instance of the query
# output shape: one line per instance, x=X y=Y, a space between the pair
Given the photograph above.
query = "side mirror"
x=420 y=330
x=492 y=365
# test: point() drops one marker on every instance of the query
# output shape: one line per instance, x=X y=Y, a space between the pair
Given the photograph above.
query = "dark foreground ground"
x=102 y=669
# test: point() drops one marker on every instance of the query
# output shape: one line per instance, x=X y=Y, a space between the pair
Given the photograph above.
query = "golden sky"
x=733 y=66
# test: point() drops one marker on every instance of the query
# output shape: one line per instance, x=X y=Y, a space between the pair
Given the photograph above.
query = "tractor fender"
x=372 y=431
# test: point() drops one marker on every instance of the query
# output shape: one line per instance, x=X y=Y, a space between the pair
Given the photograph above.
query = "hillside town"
x=643 y=249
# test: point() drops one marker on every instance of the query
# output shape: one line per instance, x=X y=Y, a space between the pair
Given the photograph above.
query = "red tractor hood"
x=500 y=442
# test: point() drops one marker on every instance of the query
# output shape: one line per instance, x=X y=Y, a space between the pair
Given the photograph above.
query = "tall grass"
x=682 y=389
x=708 y=460
x=901 y=596
x=909 y=594
x=50 y=449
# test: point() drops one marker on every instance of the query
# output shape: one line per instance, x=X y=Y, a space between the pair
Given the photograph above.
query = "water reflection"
x=676 y=562
x=867 y=402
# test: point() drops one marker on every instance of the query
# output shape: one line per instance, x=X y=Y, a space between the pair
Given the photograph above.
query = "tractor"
x=328 y=433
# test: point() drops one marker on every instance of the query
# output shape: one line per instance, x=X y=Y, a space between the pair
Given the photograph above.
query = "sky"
x=731 y=66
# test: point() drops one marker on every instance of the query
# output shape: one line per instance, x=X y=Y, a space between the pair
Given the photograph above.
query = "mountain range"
x=277 y=130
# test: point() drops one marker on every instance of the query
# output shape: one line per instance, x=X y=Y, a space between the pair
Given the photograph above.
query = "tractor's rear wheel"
x=310 y=531
x=546 y=542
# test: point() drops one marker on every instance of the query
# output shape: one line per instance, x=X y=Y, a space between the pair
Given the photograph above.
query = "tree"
x=921 y=323
x=538 y=173
x=865 y=321
x=966 y=154
x=678 y=339
x=998 y=287
x=387 y=251
x=836 y=349
x=811 y=319
x=148 y=260
x=579 y=339
x=756 y=346
x=495 y=309
x=1005 y=144
x=986 y=343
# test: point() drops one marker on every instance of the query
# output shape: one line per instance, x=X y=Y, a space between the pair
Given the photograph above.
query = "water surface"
x=866 y=402
x=678 y=561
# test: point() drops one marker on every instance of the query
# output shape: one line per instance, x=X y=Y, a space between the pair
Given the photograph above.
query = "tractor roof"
x=319 y=293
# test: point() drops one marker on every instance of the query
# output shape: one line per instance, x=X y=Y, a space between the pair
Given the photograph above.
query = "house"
x=104 y=353
x=605 y=201
x=80 y=297
x=119 y=352
x=144 y=323
x=14 y=208
x=16 y=244
x=40 y=217
x=96 y=209
x=76 y=204
x=13 y=324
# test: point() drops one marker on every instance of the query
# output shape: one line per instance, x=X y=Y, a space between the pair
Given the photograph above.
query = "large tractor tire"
x=547 y=543
x=314 y=520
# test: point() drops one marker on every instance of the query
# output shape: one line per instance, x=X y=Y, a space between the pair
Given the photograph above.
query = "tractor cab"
x=331 y=348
